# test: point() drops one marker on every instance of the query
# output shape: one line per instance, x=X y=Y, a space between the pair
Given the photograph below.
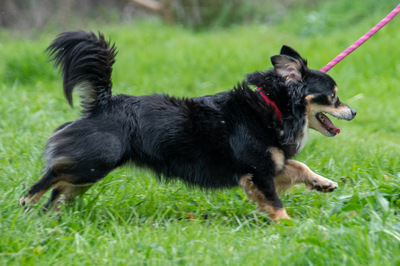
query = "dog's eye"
x=333 y=95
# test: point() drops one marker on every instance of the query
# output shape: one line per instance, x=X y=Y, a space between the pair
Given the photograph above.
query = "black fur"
x=87 y=60
x=208 y=141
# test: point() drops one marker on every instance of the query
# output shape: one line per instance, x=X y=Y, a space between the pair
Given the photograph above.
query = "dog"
x=244 y=136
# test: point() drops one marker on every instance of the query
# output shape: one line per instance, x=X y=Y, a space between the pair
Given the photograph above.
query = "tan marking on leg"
x=277 y=157
x=279 y=214
x=71 y=190
x=263 y=205
x=295 y=173
x=67 y=189
x=67 y=193
x=32 y=199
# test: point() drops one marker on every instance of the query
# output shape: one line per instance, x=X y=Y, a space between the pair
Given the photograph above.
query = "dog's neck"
x=270 y=103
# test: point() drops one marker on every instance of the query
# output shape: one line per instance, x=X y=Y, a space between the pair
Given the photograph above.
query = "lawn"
x=130 y=218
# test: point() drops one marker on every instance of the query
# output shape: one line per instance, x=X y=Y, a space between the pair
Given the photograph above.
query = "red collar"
x=271 y=103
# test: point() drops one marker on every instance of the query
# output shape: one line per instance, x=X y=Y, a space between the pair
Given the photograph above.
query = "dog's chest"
x=302 y=138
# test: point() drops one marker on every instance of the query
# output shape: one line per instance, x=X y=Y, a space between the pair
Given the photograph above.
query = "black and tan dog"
x=240 y=137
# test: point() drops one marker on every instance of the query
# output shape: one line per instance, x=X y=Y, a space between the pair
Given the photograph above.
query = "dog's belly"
x=204 y=177
x=205 y=171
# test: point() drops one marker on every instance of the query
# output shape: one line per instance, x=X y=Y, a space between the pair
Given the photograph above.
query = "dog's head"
x=321 y=99
x=312 y=88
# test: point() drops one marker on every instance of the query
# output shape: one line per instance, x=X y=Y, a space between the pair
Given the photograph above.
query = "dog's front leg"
x=295 y=172
x=263 y=193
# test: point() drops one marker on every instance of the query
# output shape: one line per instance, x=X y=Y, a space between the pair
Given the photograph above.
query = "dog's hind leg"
x=68 y=190
x=76 y=159
x=67 y=178
x=295 y=172
x=68 y=185
x=39 y=188
x=263 y=193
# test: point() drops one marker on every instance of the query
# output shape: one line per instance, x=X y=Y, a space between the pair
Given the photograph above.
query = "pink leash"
x=362 y=40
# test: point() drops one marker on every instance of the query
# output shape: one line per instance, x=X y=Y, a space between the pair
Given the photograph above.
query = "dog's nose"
x=353 y=112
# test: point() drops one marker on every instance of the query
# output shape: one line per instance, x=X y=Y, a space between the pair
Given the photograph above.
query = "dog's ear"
x=287 y=67
x=289 y=51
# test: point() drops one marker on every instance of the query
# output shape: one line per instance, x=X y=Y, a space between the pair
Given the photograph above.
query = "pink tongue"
x=330 y=125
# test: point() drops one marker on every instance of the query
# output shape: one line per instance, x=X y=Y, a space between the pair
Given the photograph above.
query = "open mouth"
x=327 y=123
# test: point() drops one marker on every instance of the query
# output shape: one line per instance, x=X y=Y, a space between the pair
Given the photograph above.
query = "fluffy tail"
x=85 y=60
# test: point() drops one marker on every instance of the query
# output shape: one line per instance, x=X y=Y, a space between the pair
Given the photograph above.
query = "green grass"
x=130 y=218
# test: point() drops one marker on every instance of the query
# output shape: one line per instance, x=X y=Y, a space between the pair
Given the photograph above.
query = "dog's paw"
x=22 y=201
x=323 y=185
